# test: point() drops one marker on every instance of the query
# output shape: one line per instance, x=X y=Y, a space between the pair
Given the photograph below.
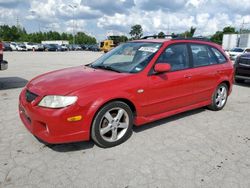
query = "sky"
x=101 y=18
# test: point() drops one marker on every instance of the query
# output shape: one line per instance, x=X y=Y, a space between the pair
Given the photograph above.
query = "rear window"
x=237 y=50
x=221 y=58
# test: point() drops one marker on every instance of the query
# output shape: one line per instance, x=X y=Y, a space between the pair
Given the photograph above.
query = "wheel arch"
x=228 y=85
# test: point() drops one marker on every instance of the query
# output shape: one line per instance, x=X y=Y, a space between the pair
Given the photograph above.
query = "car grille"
x=244 y=61
x=30 y=96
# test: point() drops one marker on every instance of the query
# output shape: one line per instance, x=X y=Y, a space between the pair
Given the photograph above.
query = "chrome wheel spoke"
x=123 y=125
x=119 y=115
x=108 y=117
x=217 y=99
x=105 y=129
x=114 y=135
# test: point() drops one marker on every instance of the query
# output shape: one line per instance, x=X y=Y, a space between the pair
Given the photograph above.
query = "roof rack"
x=157 y=36
x=192 y=38
x=176 y=37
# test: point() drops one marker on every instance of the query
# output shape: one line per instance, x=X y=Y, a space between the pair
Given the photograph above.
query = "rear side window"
x=177 y=56
x=202 y=56
x=219 y=55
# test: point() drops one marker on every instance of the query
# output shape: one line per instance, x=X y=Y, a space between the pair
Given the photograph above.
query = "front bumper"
x=51 y=125
x=3 y=65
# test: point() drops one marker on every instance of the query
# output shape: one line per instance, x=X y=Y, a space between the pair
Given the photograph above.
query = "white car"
x=31 y=46
x=13 y=46
x=235 y=52
x=21 y=47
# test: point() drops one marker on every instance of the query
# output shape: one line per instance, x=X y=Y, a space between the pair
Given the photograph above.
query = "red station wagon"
x=136 y=83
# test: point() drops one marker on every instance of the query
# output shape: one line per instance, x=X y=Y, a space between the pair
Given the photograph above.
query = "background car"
x=242 y=68
x=31 y=46
x=21 y=47
x=235 y=52
x=6 y=46
x=13 y=46
x=94 y=47
x=75 y=47
x=50 y=47
x=64 y=47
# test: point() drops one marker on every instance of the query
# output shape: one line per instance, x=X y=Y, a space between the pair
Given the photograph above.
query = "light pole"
x=73 y=29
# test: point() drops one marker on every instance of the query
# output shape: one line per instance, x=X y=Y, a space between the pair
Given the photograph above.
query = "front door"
x=171 y=90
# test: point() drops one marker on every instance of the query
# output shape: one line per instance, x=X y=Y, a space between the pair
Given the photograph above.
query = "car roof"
x=178 y=40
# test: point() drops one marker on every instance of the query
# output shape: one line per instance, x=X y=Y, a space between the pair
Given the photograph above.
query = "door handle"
x=187 y=76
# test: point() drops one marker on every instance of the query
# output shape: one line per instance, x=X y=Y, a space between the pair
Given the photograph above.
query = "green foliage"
x=136 y=32
x=229 y=29
x=218 y=36
x=118 y=39
x=18 y=34
x=189 y=33
x=161 y=35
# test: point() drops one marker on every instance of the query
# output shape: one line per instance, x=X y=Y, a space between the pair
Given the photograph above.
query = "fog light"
x=74 y=118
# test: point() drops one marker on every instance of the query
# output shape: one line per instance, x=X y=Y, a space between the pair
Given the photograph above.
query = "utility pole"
x=73 y=28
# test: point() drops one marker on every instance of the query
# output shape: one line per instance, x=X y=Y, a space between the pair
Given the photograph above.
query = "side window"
x=202 y=55
x=176 y=55
x=218 y=54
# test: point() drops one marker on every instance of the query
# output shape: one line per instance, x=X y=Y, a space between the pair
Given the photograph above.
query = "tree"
x=229 y=29
x=189 y=33
x=218 y=36
x=161 y=35
x=18 y=34
x=118 y=39
x=136 y=32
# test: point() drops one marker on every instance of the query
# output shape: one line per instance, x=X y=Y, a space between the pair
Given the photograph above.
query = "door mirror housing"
x=162 y=67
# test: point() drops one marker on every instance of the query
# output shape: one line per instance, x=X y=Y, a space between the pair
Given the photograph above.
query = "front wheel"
x=112 y=125
x=219 y=97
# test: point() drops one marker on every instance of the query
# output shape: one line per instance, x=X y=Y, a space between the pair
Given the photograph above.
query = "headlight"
x=56 y=101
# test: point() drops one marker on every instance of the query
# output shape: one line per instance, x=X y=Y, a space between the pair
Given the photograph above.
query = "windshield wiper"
x=105 y=67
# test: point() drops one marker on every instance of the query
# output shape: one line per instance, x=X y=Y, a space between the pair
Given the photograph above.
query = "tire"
x=238 y=80
x=219 y=98
x=115 y=121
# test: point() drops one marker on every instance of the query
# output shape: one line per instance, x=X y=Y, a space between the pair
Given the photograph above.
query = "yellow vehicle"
x=107 y=45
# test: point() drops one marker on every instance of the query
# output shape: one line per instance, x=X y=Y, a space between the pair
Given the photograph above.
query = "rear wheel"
x=219 y=97
x=112 y=125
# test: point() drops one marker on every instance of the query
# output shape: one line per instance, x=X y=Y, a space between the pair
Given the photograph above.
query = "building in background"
x=235 y=40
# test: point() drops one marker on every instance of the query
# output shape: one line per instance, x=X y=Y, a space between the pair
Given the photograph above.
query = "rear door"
x=206 y=71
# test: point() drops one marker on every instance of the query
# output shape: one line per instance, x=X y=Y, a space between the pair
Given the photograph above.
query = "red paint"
x=163 y=95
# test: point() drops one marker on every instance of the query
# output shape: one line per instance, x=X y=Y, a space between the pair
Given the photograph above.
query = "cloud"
x=161 y=5
x=110 y=7
x=101 y=17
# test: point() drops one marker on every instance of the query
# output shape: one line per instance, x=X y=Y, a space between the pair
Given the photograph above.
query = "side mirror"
x=162 y=67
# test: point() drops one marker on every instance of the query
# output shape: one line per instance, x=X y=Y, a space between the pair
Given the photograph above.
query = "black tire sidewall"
x=95 y=132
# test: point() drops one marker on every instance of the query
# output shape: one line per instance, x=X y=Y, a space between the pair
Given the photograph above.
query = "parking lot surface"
x=199 y=148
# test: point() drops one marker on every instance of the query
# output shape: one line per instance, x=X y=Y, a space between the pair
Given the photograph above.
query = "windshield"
x=129 y=57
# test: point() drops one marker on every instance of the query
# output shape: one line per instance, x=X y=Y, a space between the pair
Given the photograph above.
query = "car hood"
x=245 y=56
x=65 y=81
